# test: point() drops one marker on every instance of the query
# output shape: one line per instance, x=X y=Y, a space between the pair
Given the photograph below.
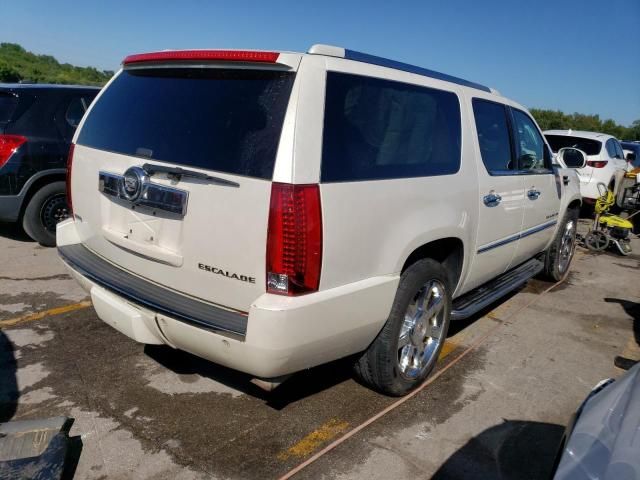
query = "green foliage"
x=557 y=120
x=18 y=64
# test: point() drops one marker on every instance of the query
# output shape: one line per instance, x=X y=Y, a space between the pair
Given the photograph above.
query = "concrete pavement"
x=152 y=412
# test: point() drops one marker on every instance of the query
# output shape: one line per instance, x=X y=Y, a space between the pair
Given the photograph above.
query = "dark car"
x=37 y=123
x=632 y=148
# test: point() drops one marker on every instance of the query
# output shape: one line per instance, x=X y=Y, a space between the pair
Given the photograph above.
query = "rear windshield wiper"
x=177 y=173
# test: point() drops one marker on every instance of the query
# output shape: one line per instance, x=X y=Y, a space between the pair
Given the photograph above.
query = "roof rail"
x=340 y=52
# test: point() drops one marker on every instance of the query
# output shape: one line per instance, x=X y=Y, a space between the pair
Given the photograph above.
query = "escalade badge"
x=132 y=182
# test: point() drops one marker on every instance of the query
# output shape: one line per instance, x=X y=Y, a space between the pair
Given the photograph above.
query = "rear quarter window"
x=380 y=129
x=226 y=120
x=587 y=145
x=75 y=111
x=8 y=104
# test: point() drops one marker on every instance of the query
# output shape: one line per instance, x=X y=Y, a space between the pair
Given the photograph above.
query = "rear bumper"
x=10 y=207
x=282 y=334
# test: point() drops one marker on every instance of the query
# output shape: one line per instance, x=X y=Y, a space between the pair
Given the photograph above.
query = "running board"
x=479 y=298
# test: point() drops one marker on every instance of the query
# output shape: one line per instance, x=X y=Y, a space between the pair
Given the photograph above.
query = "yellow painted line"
x=32 y=317
x=448 y=347
x=313 y=440
x=329 y=430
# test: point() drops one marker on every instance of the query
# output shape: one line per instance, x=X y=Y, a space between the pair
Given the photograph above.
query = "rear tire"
x=47 y=207
x=407 y=349
x=558 y=256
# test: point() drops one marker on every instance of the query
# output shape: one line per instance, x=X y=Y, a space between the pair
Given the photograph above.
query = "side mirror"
x=630 y=156
x=572 y=157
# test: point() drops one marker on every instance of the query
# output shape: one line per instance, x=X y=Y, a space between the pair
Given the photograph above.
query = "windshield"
x=225 y=120
x=588 y=146
x=8 y=104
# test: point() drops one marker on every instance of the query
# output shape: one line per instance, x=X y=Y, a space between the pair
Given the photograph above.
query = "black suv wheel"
x=47 y=207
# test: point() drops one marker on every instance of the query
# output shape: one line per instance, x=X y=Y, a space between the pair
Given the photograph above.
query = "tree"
x=8 y=74
x=632 y=132
x=557 y=120
x=18 y=64
x=550 y=119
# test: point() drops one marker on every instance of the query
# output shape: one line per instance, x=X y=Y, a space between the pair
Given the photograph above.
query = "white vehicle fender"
x=443 y=233
x=570 y=189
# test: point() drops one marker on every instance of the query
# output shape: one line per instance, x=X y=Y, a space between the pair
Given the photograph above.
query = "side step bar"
x=479 y=298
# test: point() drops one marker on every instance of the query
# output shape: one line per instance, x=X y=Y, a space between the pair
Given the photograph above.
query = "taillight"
x=69 y=165
x=597 y=163
x=8 y=145
x=294 y=239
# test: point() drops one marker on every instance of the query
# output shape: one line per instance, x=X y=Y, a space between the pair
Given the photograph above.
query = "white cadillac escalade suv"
x=272 y=211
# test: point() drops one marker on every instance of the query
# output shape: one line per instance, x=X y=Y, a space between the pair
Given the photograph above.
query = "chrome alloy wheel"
x=567 y=246
x=422 y=330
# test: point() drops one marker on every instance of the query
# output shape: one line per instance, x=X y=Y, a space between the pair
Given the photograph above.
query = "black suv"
x=37 y=123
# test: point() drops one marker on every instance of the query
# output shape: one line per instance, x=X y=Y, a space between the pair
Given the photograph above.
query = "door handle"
x=565 y=179
x=533 y=194
x=492 y=199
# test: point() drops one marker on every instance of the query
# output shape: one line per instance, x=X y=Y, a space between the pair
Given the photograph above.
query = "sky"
x=572 y=55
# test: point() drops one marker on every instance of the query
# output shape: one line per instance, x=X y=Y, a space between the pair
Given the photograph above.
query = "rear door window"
x=380 y=129
x=587 y=145
x=227 y=120
x=611 y=148
x=494 y=139
x=619 y=152
x=8 y=104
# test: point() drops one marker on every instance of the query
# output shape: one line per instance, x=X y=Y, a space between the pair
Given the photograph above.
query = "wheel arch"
x=36 y=182
x=449 y=251
x=575 y=203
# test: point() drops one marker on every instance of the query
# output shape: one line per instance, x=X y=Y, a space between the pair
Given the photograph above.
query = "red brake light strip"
x=203 y=55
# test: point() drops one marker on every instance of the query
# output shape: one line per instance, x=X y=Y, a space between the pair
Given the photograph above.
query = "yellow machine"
x=608 y=229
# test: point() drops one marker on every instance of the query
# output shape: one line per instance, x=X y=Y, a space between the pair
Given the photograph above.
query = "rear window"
x=588 y=146
x=224 y=120
x=380 y=129
x=8 y=103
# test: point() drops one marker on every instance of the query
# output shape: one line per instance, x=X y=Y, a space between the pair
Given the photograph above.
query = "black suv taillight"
x=8 y=146
x=294 y=239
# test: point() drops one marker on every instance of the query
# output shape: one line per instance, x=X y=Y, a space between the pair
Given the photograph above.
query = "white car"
x=605 y=159
x=273 y=211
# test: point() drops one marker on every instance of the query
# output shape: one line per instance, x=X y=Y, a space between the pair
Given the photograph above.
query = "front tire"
x=560 y=253
x=47 y=207
x=406 y=350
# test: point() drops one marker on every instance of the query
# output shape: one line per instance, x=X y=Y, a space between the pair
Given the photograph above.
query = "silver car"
x=603 y=439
